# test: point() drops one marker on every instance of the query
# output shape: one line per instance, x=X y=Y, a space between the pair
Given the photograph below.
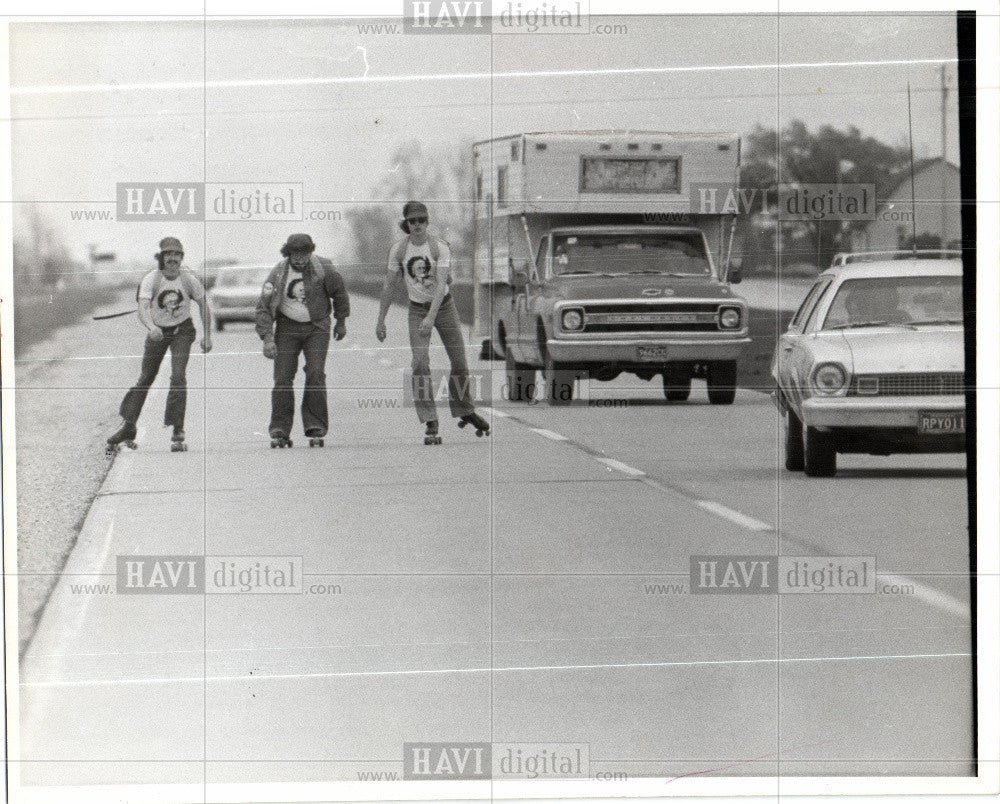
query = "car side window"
x=807 y=304
x=811 y=318
x=539 y=268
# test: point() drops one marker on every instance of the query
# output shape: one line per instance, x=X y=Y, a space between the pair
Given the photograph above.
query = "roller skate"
x=177 y=441
x=315 y=438
x=280 y=440
x=482 y=426
x=125 y=435
x=431 y=436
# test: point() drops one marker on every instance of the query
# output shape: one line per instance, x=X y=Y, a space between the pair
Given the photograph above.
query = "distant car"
x=234 y=296
x=873 y=362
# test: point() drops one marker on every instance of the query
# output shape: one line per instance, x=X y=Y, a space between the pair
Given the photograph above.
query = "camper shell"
x=629 y=232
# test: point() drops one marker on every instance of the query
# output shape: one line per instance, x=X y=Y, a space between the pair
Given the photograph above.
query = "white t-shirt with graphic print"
x=420 y=270
x=293 y=300
x=170 y=299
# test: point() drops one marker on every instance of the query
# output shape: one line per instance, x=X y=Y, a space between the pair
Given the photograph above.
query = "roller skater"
x=177 y=441
x=124 y=435
x=164 y=305
x=431 y=437
x=478 y=422
x=293 y=316
x=423 y=262
x=279 y=440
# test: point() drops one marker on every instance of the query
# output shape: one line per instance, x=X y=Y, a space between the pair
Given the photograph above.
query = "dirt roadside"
x=63 y=416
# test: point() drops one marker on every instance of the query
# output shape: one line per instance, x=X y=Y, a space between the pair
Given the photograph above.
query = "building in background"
x=937 y=191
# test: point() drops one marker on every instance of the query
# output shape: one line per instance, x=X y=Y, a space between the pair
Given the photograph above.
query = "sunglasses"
x=414 y=221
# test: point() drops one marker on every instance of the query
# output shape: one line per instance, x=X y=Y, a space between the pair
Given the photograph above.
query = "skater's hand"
x=426 y=326
x=206 y=345
x=380 y=331
x=156 y=334
x=270 y=351
x=340 y=331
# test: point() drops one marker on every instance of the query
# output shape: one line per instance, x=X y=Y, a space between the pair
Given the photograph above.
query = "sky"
x=352 y=96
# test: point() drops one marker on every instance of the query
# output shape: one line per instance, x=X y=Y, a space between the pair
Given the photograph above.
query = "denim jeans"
x=313 y=340
x=450 y=329
x=179 y=340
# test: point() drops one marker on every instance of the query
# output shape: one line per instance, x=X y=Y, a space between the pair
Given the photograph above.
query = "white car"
x=873 y=362
x=235 y=293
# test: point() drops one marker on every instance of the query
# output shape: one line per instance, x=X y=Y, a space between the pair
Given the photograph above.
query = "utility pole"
x=944 y=157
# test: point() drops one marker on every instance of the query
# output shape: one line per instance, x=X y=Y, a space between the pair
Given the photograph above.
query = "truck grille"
x=665 y=317
x=917 y=384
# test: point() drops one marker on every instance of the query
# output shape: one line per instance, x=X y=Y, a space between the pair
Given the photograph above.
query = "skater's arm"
x=264 y=320
x=393 y=276
x=206 y=322
x=440 y=288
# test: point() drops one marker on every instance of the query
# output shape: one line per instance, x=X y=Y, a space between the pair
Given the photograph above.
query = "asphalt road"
x=532 y=587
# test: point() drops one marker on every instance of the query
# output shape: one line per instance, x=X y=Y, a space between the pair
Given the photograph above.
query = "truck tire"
x=722 y=382
x=520 y=380
x=676 y=387
x=559 y=382
x=820 y=453
x=794 y=448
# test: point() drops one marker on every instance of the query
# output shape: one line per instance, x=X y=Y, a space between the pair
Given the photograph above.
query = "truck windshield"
x=644 y=252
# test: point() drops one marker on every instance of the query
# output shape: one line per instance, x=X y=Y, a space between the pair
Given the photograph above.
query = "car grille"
x=916 y=384
x=660 y=317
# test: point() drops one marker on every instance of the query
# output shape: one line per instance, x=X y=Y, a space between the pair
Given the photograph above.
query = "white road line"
x=932 y=597
x=495 y=412
x=733 y=516
x=549 y=434
x=442 y=671
x=622 y=467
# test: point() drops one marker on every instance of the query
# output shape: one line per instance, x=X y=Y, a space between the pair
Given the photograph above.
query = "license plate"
x=653 y=352
x=937 y=423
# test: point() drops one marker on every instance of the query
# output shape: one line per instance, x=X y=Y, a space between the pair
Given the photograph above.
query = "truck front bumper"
x=649 y=350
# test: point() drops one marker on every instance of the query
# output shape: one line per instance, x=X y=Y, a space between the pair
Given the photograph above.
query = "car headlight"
x=572 y=320
x=830 y=378
x=730 y=318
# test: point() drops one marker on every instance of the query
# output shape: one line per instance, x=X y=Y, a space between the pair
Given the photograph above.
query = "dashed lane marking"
x=621 y=467
x=733 y=516
x=549 y=434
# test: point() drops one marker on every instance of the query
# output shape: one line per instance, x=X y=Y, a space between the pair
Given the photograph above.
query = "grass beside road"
x=754 y=367
x=39 y=313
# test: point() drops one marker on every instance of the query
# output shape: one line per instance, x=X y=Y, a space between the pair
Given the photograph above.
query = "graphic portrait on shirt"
x=297 y=290
x=170 y=302
x=418 y=267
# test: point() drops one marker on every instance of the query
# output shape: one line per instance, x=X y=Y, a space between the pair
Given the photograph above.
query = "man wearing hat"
x=423 y=261
x=293 y=315
x=165 y=295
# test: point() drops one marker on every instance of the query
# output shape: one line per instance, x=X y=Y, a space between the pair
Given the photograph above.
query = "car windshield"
x=637 y=253
x=236 y=277
x=896 y=301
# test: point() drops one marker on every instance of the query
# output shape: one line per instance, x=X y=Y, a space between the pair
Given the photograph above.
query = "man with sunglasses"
x=423 y=261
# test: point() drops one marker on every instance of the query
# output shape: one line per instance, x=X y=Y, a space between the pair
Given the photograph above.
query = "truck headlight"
x=829 y=378
x=572 y=320
x=730 y=318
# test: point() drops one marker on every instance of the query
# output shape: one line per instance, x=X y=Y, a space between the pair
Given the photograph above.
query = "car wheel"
x=520 y=380
x=220 y=325
x=722 y=382
x=559 y=382
x=820 y=453
x=794 y=448
x=676 y=388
